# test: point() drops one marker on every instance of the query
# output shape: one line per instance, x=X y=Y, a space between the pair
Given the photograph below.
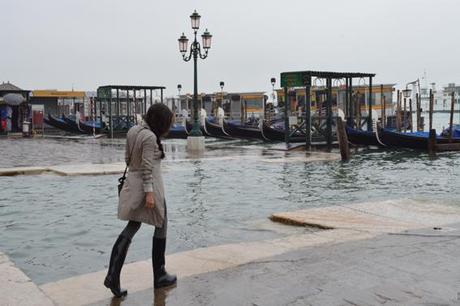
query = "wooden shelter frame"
x=110 y=94
x=304 y=79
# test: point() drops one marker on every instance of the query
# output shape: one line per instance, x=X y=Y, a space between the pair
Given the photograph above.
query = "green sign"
x=103 y=93
x=293 y=79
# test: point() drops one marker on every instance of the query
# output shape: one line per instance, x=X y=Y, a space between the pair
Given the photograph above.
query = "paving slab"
x=386 y=216
x=22 y=171
x=16 y=288
x=318 y=275
x=88 y=169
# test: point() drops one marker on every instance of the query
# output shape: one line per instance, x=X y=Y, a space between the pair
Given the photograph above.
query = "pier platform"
x=392 y=252
x=117 y=168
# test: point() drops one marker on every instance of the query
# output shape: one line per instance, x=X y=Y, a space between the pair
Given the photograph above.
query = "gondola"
x=362 y=138
x=74 y=125
x=91 y=126
x=275 y=132
x=235 y=129
x=61 y=124
x=177 y=132
x=411 y=140
x=214 y=129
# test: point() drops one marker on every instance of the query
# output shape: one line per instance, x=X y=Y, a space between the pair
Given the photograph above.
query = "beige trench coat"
x=144 y=175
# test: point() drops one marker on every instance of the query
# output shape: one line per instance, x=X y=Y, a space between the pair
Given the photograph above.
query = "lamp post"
x=195 y=52
x=221 y=84
x=179 y=88
x=408 y=94
x=273 y=81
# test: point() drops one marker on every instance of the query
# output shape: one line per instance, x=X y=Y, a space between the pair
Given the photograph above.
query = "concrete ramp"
x=381 y=217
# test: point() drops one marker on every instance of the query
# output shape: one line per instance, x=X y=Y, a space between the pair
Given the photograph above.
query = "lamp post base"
x=195 y=144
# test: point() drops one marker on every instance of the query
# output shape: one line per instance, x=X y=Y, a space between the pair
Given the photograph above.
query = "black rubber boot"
x=161 y=278
x=117 y=259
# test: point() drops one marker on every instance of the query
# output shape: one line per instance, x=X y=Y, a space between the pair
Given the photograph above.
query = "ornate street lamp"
x=273 y=81
x=407 y=92
x=195 y=52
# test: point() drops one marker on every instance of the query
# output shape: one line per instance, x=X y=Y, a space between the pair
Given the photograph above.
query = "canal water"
x=55 y=227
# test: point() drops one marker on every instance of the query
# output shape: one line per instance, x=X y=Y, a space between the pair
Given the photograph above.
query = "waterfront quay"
x=251 y=224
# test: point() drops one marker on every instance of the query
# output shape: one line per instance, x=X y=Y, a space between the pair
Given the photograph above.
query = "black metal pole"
x=369 y=121
x=135 y=106
x=308 y=114
x=347 y=101
x=286 y=118
x=350 y=92
x=110 y=114
x=118 y=107
x=382 y=108
x=196 y=130
x=329 y=114
x=145 y=101
x=128 y=109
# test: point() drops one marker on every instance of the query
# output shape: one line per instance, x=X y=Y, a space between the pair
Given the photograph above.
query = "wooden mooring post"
x=432 y=135
x=450 y=146
x=343 y=140
x=410 y=116
x=431 y=111
x=451 y=121
x=419 y=119
x=382 y=104
x=432 y=142
x=398 y=111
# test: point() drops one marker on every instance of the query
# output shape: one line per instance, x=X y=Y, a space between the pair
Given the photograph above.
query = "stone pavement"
x=16 y=288
x=414 y=267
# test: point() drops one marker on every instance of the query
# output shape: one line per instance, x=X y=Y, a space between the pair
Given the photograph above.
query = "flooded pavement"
x=55 y=227
x=418 y=267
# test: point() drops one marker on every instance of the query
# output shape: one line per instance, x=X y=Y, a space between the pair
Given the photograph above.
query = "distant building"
x=235 y=104
x=14 y=109
x=57 y=102
x=296 y=97
x=447 y=95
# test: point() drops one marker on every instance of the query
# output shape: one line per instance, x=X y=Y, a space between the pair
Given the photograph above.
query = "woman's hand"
x=149 y=200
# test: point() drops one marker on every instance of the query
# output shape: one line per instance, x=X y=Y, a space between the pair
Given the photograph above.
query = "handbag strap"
x=131 y=153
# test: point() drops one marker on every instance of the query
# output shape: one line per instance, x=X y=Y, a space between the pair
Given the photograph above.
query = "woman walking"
x=142 y=198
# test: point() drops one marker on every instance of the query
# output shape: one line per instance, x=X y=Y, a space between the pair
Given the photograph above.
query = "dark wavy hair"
x=159 y=118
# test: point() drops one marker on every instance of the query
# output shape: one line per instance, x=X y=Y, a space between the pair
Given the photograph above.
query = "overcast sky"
x=87 y=43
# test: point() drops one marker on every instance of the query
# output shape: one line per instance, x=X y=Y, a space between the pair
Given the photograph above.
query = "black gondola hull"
x=362 y=138
x=215 y=130
x=89 y=129
x=243 y=132
x=61 y=124
x=410 y=141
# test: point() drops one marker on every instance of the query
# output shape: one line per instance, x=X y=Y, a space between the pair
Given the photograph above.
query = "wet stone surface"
x=419 y=267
